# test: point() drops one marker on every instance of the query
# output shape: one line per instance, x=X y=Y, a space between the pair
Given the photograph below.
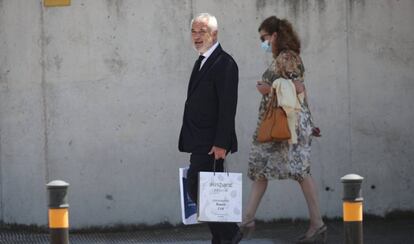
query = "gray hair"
x=208 y=18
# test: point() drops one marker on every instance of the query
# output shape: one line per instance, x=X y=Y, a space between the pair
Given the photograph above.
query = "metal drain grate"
x=397 y=231
x=13 y=237
x=9 y=237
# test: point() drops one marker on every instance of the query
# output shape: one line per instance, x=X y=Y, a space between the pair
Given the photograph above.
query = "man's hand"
x=263 y=87
x=218 y=152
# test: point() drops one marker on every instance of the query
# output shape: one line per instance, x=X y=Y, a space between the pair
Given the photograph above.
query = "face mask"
x=266 y=46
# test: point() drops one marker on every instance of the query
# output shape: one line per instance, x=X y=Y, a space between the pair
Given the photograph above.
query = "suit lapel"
x=195 y=79
x=192 y=79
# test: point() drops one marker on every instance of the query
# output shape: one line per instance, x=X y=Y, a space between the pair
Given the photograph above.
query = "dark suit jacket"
x=210 y=108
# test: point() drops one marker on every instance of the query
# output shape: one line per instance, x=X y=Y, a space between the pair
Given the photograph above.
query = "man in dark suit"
x=208 y=130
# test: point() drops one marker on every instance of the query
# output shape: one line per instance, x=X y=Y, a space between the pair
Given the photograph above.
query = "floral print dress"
x=281 y=160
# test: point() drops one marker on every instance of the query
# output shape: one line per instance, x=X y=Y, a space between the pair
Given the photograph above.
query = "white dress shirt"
x=208 y=53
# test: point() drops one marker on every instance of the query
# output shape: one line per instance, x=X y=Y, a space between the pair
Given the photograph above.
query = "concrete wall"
x=93 y=94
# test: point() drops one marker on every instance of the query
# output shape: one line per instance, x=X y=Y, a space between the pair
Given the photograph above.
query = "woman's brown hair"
x=287 y=39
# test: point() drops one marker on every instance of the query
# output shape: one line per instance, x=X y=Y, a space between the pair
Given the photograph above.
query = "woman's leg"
x=256 y=194
x=310 y=192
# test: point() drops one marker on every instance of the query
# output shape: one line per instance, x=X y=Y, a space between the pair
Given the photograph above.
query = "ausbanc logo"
x=213 y=184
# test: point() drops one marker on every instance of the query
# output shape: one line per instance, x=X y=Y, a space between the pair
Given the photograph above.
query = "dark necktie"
x=196 y=69
x=198 y=62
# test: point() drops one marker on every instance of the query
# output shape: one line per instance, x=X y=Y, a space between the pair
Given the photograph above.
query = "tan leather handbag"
x=274 y=125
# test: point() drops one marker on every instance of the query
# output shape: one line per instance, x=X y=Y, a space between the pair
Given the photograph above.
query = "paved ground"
x=376 y=231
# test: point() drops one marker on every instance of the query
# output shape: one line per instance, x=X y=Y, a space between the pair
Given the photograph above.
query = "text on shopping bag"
x=220 y=197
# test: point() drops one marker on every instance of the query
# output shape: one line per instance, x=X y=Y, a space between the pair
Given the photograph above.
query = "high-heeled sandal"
x=247 y=227
x=320 y=235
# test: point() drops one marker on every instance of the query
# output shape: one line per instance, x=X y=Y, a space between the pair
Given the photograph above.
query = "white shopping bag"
x=188 y=207
x=219 y=197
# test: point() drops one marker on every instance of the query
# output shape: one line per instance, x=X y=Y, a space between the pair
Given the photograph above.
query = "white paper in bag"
x=220 y=197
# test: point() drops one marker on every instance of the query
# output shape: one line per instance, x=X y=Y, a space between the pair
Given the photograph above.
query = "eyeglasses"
x=262 y=37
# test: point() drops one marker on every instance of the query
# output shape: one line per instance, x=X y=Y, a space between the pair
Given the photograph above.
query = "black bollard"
x=352 y=209
x=58 y=212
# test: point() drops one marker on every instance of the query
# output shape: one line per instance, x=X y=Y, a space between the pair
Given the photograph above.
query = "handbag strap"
x=271 y=103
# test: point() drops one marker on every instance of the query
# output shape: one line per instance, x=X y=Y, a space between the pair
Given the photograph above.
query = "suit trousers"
x=221 y=232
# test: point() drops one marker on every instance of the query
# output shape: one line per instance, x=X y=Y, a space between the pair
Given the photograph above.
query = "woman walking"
x=286 y=159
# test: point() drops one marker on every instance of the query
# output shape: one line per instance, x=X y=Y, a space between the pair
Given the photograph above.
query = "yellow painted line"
x=352 y=211
x=56 y=3
x=59 y=218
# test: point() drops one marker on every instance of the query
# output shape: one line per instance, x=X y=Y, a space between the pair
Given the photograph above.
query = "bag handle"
x=273 y=102
x=214 y=168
